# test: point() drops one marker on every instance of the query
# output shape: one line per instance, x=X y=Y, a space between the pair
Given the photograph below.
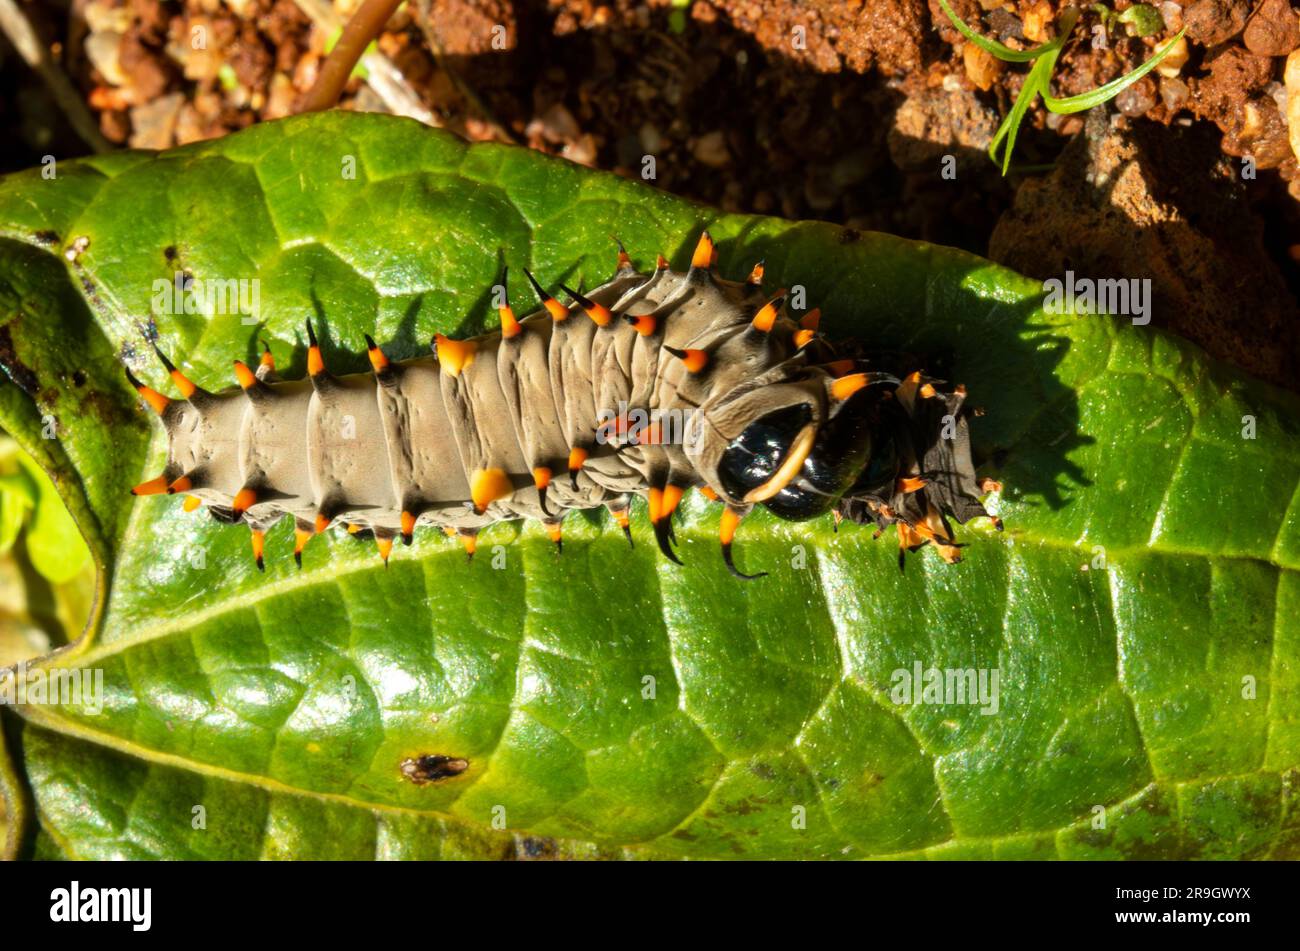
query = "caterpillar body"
x=565 y=409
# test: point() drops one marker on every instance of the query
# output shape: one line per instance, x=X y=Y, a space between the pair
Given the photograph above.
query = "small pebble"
x=1138 y=99
x=650 y=138
x=711 y=150
x=581 y=150
x=153 y=124
x=1292 y=80
x=1173 y=93
x=102 y=51
x=982 y=68
x=1174 y=60
x=557 y=124
x=1038 y=21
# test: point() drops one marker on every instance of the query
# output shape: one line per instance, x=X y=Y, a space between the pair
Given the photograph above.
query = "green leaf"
x=1141 y=608
x=17 y=494
x=14 y=802
x=16 y=500
x=54 y=545
x=46 y=574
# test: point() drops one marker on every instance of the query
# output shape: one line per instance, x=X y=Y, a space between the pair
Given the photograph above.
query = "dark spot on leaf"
x=106 y=409
x=849 y=235
x=432 y=768
x=531 y=848
x=79 y=378
x=47 y=238
x=88 y=286
x=169 y=252
x=744 y=807
x=14 y=368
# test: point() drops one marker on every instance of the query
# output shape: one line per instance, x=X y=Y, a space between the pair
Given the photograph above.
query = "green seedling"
x=1038 y=82
x=1141 y=19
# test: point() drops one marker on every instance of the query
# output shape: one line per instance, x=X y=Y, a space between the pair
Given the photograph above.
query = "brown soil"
x=835 y=109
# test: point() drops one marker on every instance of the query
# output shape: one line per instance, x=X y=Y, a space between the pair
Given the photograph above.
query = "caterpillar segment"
x=646 y=385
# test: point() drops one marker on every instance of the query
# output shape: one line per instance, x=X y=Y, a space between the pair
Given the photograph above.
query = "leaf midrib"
x=83 y=653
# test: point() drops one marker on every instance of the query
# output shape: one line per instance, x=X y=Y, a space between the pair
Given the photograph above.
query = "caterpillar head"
x=783 y=418
x=795 y=447
x=866 y=446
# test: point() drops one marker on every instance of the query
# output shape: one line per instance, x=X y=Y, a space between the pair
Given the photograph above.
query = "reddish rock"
x=252 y=62
x=1211 y=22
x=834 y=35
x=1274 y=30
x=1262 y=134
x=149 y=73
x=1235 y=76
x=1136 y=200
x=115 y=125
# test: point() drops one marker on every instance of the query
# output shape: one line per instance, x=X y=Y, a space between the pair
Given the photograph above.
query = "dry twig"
x=385 y=78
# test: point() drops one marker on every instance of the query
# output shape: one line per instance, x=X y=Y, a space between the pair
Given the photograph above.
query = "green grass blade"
x=1005 y=52
x=1035 y=83
x=1101 y=94
x=1002 y=132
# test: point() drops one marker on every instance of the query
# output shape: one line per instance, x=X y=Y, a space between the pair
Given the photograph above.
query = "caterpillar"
x=570 y=408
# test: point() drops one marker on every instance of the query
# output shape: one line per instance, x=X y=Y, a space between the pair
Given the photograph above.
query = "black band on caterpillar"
x=647 y=385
